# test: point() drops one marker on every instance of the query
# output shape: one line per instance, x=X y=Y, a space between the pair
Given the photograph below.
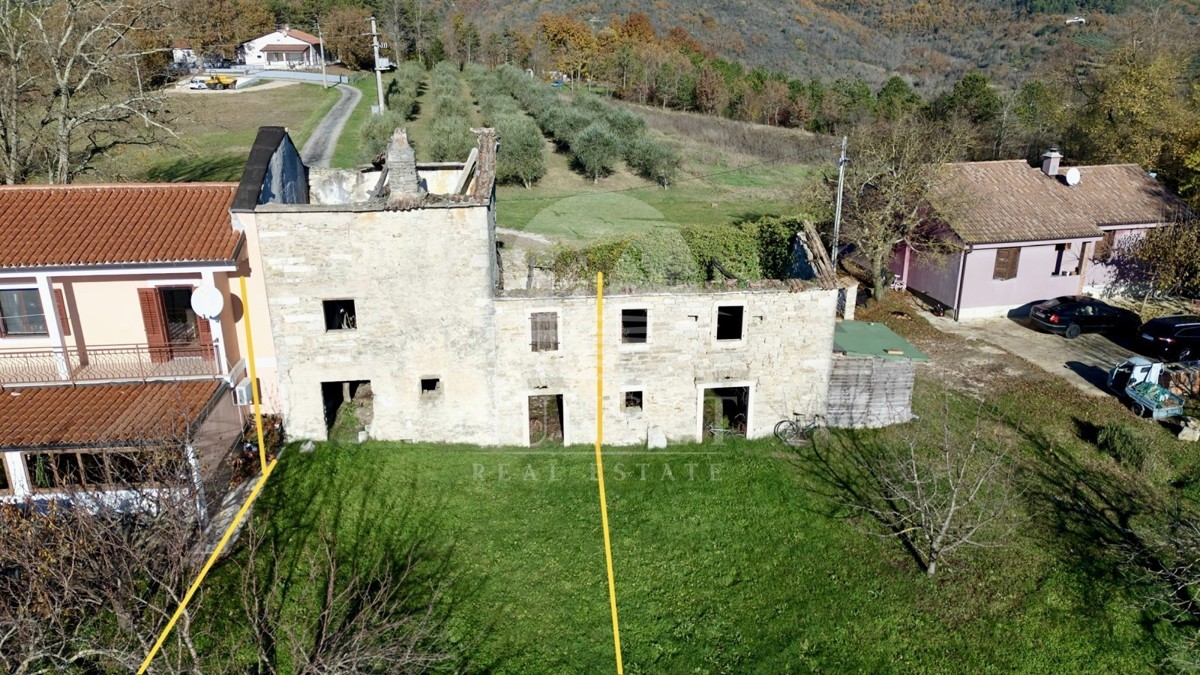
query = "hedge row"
x=450 y=137
x=596 y=134
x=749 y=251
x=522 y=151
x=401 y=96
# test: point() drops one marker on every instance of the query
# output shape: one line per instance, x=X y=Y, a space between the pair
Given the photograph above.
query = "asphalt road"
x=318 y=151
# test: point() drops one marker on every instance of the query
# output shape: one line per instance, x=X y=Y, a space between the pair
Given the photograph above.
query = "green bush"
x=1118 y=441
x=595 y=151
x=652 y=160
x=522 y=150
x=450 y=139
x=565 y=124
x=775 y=238
x=734 y=248
x=658 y=257
x=375 y=133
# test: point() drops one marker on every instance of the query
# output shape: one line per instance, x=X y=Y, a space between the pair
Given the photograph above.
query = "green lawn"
x=736 y=561
x=345 y=156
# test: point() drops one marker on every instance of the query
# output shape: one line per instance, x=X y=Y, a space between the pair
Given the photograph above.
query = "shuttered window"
x=544 y=331
x=1007 y=260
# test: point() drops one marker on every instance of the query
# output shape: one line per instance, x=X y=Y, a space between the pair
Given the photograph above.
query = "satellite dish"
x=1073 y=177
x=207 y=302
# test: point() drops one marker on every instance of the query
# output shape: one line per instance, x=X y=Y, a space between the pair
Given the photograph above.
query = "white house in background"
x=284 y=48
x=181 y=52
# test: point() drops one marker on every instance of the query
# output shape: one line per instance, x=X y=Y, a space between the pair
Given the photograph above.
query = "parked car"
x=1072 y=315
x=197 y=83
x=1176 y=338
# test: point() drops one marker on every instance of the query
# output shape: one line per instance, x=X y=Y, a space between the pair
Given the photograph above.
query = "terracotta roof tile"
x=301 y=35
x=1009 y=201
x=100 y=414
x=286 y=48
x=59 y=225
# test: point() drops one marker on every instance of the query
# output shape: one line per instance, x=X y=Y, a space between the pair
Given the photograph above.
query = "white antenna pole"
x=378 y=72
x=837 y=214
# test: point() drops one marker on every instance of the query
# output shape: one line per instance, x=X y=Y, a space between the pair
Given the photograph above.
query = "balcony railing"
x=113 y=363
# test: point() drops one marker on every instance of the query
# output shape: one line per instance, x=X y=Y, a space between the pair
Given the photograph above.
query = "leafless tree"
x=77 y=82
x=891 y=178
x=935 y=493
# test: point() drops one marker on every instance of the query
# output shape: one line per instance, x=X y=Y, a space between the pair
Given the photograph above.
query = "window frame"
x=641 y=397
x=645 y=337
x=717 y=323
x=22 y=288
x=537 y=332
x=7 y=475
x=83 y=483
x=1011 y=267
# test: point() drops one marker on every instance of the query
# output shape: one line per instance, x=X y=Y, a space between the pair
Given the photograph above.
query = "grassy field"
x=216 y=130
x=346 y=155
x=740 y=560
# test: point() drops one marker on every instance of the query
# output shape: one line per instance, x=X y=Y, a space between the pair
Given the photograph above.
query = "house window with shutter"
x=1007 y=260
x=543 y=328
x=172 y=328
x=21 y=313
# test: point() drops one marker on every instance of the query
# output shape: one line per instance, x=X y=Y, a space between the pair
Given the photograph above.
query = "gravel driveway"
x=1084 y=361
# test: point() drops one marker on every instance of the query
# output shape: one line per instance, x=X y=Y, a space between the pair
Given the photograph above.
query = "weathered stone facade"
x=449 y=356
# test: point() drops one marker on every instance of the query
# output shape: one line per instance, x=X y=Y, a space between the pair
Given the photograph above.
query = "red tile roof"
x=301 y=35
x=1010 y=201
x=61 y=225
x=101 y=414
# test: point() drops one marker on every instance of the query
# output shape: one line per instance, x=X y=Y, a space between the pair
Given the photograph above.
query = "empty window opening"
x=634 y=326
x=543 y=327
x=546 y=419
x=347 y=406
x=726 y=410
x=1060 y=251
x=633 y=400
x=339 y=315
x=729 y=322
x=182 y=328
x=430 y=386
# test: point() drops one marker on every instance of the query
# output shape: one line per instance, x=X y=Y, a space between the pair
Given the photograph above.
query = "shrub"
x=1118 y=441
x=775 y=238
x=522 y=150
x=652 y=160
x=565 y=124
x=732 y=247
x=658 y=257
x=375 y=133
x=450 y=139
x=595 y=151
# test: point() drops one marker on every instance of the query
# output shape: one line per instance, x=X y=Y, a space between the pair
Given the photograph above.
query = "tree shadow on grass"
x=380 y=532
x=198 y=169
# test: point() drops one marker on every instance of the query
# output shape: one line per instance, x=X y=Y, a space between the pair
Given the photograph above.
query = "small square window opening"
x=634 y=326
x=340 y=315
x=430 y=385
x=633 y=400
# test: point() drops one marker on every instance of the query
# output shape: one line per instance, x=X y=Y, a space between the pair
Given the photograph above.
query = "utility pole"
x=324 y=80
x=837 y=213
x=378 y=71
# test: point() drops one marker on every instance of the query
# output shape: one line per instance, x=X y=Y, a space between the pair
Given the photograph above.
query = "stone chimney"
x=401 y=165
x=1050 y=162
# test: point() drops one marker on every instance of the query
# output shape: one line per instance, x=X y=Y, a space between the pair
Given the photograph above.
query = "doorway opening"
x=546 y=419
x=726 y=410
x=338 y=399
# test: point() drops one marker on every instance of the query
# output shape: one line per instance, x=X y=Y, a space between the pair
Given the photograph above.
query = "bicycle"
x=796 y=430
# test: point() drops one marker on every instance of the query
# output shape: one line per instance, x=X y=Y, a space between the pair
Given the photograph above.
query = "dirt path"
x=318 y=151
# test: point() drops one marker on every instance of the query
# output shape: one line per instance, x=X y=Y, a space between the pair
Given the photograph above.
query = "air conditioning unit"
x=242 y=393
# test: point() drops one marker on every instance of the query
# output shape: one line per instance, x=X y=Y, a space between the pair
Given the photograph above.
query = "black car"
x=1071 y=315
x=1172 y=337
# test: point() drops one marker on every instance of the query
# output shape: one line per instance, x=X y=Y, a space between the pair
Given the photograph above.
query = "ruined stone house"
x=391 y=276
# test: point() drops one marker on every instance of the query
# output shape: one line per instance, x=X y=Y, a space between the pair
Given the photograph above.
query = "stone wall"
x=784 y=357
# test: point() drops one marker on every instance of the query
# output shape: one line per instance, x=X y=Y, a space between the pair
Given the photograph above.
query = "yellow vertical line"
x=207 y=566
x=262 y=451
x=612 y=586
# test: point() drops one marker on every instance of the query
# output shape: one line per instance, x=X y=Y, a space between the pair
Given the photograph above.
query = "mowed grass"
x=346 y=154
x=736 y=561
x=215 y=131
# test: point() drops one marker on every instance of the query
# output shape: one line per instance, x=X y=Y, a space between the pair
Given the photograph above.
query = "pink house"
x=105 y=359
x=1025 y=234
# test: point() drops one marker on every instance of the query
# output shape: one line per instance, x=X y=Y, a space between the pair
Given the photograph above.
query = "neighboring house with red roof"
x=102 y=352
x=1024 y=233
x=284 y=48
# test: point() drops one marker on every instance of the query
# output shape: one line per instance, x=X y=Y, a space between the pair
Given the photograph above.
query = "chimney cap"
x=1052 y=152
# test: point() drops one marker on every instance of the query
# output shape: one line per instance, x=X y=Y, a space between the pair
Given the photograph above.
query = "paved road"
x=320 y=146
x=1084 y=361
